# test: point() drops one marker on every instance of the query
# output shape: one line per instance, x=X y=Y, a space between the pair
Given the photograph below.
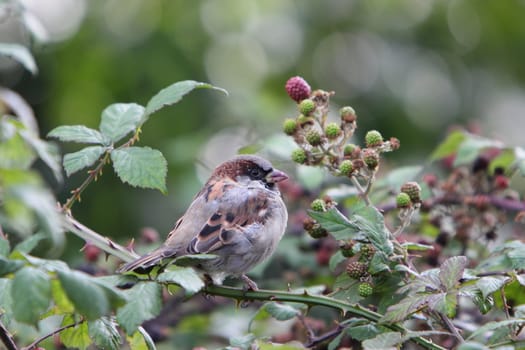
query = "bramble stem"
x=44 y=337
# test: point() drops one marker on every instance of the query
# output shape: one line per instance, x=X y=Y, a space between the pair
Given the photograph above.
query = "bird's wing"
x=231 y=219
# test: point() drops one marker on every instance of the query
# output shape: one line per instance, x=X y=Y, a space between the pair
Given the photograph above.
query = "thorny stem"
x=56 y=331
x=92 y=175
x=451 y=327
x=505 y=304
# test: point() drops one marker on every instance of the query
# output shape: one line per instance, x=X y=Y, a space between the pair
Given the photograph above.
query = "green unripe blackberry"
x=349 y=149
x=346 y=167
x=403 y=200
x=332 y=131
x=306 y=107
x=413 y=190
x=317 y=231
x=289 y=126
x=373 y=138
x=367 y=252
x=356 y=269
x=318 y=205
x=365 y=289
x=299 y=156
x=371 y=158
x=313 y=137
x=347 y=114
x=347 y=249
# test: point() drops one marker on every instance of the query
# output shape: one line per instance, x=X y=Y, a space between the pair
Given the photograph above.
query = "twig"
x=360 y=189
x=99 y=241
x=505 y=304
x=451 y=327
x=324 y=337
x=309 y=332
x=56 y=331
x=7 y=338
x=92 y=176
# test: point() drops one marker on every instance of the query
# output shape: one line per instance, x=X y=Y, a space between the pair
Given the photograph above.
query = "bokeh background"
x=410 y=68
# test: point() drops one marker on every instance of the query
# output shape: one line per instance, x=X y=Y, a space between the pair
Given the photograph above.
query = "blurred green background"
x=410 y=68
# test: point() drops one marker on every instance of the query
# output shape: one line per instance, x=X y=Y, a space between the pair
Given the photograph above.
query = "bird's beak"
x=276 y=176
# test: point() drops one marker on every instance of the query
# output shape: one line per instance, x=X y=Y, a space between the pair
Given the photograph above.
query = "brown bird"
x=238 y=216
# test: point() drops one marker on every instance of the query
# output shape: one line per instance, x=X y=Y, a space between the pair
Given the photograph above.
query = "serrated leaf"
x=21 y=54
x=445 y=303
x=84 y=158
x=104 y=333
x=77 y=336
x=400 y=311
x=336 y=223
x=78 y=133
x=371 y=222
x=140 y=340
x=173 y=94
x=384 y=341
x=416 y=246
x=186 y=277
x=31 y=294
x=88 y=297
x=472 y=147
x=46 y=264
x=120 y=119
x=449 y=146
x=243 y=342
x=489 y=284
x=6 y=302
x=363 y=332
x=451 y=271
x=491 y=326
x=472 y=346
x=141 y=166
x=281 y=312
x=143 y=303
x=15 y=153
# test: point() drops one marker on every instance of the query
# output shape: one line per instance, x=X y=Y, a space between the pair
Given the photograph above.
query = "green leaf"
x=186 y=277
x=243 y=342
x=6 y=302
x=397 y=177
x=9 y=266
x=336 y=223
x=120 y=119
x=77 y=336
x=451 y=271
x=173 y=94
x=416 y=246
x=192 y=259
x=281 y=312
x=105 y=334
x=62 y=304
x=504 y=160
x=30 y=243
x=472 y=147
x=335 y=260
x=449 y=146
x=489 y=284
x=400 y=311
x=491 y=326
x=46 y=264
x=140 y=340
x=21 y=54
x=388 y=340
x=47 y=151
x=519 y=153
x=88 y=297
x=31 y=294
x=141 y=166
x=15 y=153
x=371 y=223
x=84 y=158
x=144 y=303
x=445 y=303
x=4 y=246
x=79 y=133
x=472 y=346
x=363 y=332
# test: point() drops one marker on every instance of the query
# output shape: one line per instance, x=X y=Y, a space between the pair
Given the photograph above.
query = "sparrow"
x=238 y=215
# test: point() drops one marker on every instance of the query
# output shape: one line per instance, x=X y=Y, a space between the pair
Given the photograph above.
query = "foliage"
x=428 y=263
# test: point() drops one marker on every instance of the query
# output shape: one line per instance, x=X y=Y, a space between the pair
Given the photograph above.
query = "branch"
x=7 y=338
x=313 y=300
x=99 y=241
x=56 y=331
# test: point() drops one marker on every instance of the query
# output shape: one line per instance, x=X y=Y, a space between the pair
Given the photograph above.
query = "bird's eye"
x=256 y=173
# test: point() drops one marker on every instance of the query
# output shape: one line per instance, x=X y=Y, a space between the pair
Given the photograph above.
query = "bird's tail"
x=149 y=260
